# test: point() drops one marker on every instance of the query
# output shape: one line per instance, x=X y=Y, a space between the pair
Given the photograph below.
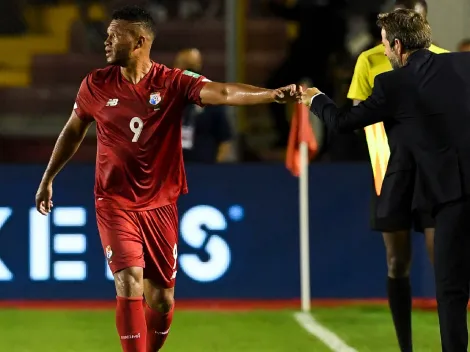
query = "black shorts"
x=392 y=210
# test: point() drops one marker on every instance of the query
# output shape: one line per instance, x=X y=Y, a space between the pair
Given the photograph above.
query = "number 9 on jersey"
x=136 y=125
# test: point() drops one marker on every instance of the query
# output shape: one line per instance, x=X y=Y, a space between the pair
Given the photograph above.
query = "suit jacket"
x=425 y=107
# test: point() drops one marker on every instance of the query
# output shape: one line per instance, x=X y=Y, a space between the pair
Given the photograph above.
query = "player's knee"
x=166 y=302
x=398 y=267
x=129 y=282
x=163 y=300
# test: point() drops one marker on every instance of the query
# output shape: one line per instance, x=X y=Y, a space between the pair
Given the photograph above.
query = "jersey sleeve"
x=189 y=84
x=83 y=106
x=360 y=88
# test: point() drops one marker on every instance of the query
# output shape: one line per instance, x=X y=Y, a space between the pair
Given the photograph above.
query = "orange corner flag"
x=300 y=131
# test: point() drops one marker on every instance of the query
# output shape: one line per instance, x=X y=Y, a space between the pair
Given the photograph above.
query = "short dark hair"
x=408 y=26
x=411 y=4
x=135 y=14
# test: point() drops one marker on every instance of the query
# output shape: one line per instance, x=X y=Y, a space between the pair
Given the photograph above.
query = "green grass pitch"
x=363 y=328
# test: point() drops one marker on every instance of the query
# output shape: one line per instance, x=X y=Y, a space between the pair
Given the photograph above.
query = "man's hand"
x=308 y=94
x=290 y=93
x=44 y=198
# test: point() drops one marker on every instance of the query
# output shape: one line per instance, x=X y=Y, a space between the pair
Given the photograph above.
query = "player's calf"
x=130 y=314
x=158 y=314
x=398 y=247
x=429 y=238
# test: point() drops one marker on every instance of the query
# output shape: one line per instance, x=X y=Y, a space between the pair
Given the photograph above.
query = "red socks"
x=130 y=324
x=158 y=326
x=141 y=329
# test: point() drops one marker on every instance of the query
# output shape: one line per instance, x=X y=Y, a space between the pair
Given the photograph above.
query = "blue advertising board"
x=239 y=236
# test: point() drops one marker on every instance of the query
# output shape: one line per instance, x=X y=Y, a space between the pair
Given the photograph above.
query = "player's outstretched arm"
x=215 y=93
x=67 y=144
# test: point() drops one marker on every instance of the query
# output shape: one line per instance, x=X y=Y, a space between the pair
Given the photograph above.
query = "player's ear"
x=140 y=42
x=394 y=44
x=398 y=46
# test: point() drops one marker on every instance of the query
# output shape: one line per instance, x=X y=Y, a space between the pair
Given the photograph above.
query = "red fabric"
x=139 y=161
x=146 y=239
x=158 y=327
x=130 y=324
x=300 y=131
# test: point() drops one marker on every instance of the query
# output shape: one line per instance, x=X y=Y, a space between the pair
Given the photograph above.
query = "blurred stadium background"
x=240 y=289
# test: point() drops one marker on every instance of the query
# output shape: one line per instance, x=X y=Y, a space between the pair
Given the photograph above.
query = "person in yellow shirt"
x=392 y=212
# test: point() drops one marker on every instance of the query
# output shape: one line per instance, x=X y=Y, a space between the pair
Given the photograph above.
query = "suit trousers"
x=452 y=273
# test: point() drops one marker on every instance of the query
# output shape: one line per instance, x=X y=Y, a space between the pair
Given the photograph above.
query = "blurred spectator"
x=309 y=52
x=159 y=11
x=214 y=9
x=189 y=9
x=195 y=9
x=163 y=10
x=206 y=132
x=376 y=37
x=88 y=32
x=464 y=45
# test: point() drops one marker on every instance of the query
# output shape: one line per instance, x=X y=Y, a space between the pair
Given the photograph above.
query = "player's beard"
x=395 y=62
x=119 y=58
x=117 y=61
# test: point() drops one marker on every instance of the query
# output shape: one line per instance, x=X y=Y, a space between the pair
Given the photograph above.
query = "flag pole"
x=304 y=229
x=301 y=147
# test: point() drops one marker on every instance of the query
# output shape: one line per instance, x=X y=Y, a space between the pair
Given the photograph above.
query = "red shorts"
x=146 y=239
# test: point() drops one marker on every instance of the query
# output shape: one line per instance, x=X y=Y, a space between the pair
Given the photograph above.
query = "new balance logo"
x=112 y=102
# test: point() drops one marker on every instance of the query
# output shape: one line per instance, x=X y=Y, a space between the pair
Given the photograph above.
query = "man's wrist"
x=314 y=96
x=273 y=95
x=47 y=180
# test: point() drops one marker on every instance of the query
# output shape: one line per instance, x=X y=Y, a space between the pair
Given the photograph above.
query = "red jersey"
x=139 y=163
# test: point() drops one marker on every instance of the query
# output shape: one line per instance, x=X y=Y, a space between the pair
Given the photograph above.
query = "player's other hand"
x=44 y=198
x=290 y=93
x=308 y=94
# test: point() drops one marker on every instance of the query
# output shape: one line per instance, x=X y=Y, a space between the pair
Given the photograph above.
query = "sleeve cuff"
x=316 y=95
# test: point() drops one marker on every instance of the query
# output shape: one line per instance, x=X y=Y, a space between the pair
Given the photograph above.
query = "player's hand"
x=290 y=93
x=44 y=198
x=308 y=94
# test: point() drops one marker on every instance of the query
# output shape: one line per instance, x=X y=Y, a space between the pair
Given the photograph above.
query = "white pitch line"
x=328 y=337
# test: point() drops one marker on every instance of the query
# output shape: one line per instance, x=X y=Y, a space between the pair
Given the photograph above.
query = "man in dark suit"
x=393 y=217
x=425 y=106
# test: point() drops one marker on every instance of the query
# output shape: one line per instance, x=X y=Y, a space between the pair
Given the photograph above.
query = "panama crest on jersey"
x=155 y=99
x=109 y=252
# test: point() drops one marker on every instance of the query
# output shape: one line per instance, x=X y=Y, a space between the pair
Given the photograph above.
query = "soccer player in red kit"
x=137 y=105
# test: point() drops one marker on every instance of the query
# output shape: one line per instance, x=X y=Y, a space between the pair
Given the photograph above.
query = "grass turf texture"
x=363 y=328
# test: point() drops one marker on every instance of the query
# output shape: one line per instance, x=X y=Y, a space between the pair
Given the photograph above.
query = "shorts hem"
x=160 y=281
x=394 y=228
x=121 y=266
x=389 y=229
x=105 y=204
